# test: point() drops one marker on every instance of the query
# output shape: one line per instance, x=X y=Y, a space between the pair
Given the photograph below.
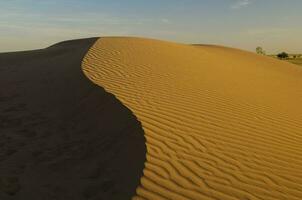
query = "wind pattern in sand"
x=220 y=123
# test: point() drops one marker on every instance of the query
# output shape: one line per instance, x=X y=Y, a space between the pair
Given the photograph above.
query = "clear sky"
x=273 y=24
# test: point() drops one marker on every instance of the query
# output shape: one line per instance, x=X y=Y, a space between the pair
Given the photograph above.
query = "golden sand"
x=220 y=123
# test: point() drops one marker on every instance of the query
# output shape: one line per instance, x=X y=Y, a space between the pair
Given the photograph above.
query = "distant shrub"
x=259 y=50
x=282 y=55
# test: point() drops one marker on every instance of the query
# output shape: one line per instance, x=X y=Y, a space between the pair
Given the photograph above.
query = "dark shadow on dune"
x=61 y=136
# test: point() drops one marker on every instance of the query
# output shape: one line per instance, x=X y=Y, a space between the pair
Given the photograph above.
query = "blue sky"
x=273 y=24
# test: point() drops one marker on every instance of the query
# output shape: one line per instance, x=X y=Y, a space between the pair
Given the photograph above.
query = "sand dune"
x=61 y=136
x=220 y=123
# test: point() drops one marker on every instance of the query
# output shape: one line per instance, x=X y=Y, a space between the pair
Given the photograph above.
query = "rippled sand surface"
x=220 y=123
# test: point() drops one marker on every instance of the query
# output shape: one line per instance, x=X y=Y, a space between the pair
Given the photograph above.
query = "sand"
x=61 y=136
x=219 y=123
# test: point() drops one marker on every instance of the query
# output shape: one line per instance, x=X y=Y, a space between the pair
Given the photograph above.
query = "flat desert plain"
x=219 y=123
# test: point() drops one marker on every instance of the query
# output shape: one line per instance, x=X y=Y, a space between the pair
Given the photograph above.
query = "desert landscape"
x=226 y=128
x=128 y=117
x=150 y=100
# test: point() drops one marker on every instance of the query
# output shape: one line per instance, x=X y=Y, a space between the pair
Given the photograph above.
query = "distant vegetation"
x=296 y=60
x=292 y=58
x=282 y=55
x=259 y=50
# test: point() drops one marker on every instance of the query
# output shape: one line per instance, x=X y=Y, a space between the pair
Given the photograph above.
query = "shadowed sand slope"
x=61 y=136
x=220 y=123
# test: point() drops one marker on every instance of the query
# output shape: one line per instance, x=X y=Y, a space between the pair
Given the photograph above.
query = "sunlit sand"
x=220 y=123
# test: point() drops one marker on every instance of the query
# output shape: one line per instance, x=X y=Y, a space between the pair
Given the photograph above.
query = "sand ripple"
x=220 y=123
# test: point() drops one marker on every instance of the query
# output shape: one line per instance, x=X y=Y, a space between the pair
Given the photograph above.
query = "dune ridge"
x=220 y=123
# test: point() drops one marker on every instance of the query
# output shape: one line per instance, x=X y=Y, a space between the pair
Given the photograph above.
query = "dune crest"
x=220 y=123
